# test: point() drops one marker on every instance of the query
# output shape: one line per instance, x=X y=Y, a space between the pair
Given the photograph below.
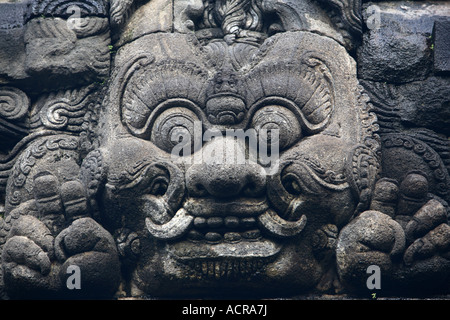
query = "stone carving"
x=236 y=149
x=14 y=103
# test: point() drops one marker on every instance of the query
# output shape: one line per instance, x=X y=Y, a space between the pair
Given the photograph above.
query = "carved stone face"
x=209 y=226
x=222 y=148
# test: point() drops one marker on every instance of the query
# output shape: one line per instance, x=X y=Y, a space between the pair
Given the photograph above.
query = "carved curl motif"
x=14 y=103
x=63 y=110
x=60 y=8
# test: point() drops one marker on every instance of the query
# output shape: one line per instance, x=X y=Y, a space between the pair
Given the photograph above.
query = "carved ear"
x=363 y=170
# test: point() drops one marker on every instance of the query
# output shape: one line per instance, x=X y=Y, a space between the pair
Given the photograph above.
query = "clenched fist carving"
x=51 y=232
x=405 y=233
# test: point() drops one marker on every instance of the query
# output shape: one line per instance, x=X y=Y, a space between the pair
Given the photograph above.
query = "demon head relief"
x=233 y=154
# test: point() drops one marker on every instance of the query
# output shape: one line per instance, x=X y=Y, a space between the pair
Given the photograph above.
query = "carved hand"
x=39 y=248
x=90 y=247
x=405 y=233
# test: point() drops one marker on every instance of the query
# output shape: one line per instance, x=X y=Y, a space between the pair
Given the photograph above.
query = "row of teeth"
x=216 y=237
x=228 y=222
x=226 y=268
x=227 y=227
x=217 y=229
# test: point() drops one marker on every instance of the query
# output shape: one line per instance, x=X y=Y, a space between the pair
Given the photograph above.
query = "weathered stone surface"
x=64 y=44
x=441 y=46
x=71 y=55
x=12 y=48
x=14 y=104
x=397 y=46
x=12 y=15
x=138 y=22
x=211 y=149
x=66 y=9
x=427 y=104
x=423 y=103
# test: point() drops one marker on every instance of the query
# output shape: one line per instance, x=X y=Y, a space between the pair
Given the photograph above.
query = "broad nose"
x=224 y=170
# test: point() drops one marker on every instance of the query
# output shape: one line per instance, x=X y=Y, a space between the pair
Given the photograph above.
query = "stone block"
x=427 y=104
x=420 y=104
x=55 y=53
x=12 y=15
x=12 y=48
x=441 y=46
x=397 y=46
x=154 y=16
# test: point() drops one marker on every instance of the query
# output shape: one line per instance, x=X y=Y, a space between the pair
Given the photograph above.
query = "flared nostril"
x=255 y=184
x=199 y=190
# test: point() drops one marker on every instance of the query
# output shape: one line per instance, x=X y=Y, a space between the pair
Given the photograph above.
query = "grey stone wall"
x=403 y=64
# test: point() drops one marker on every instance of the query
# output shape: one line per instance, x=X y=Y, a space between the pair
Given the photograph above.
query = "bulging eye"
x=174 y=131
x=276 y=125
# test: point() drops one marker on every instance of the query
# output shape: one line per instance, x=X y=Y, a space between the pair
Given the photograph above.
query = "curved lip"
x=244 y=207
x=187 y=251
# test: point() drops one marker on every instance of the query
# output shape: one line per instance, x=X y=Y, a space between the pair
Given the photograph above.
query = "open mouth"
x=226 y=238
x=225 y=221
x=222 y=260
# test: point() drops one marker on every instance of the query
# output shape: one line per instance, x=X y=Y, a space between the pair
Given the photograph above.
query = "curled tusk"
x=279 y=227
x=174 y=228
